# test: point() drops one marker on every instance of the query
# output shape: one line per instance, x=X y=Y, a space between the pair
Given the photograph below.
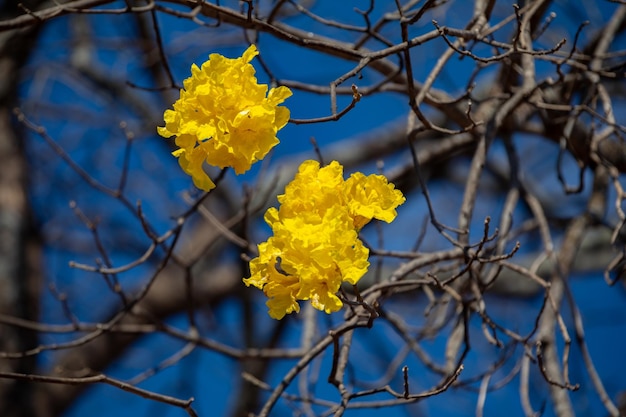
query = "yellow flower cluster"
x=224 y=118
x=315 y=246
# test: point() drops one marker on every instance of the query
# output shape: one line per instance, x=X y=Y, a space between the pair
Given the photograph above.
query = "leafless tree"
x=508 y=143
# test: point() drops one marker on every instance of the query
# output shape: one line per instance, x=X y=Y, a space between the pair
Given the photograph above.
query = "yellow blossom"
x=224 y=117
x=315 y=246
x=312 y=191
x=371 y=197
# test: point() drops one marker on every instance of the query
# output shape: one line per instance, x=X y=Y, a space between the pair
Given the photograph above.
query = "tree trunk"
x=19 y=248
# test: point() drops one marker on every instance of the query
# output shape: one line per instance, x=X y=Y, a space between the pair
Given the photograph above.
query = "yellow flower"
x=308 y=261
x=224 y=118
x=312 y=191
x=315 y=246
x=371 y=197
x=280 y=288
